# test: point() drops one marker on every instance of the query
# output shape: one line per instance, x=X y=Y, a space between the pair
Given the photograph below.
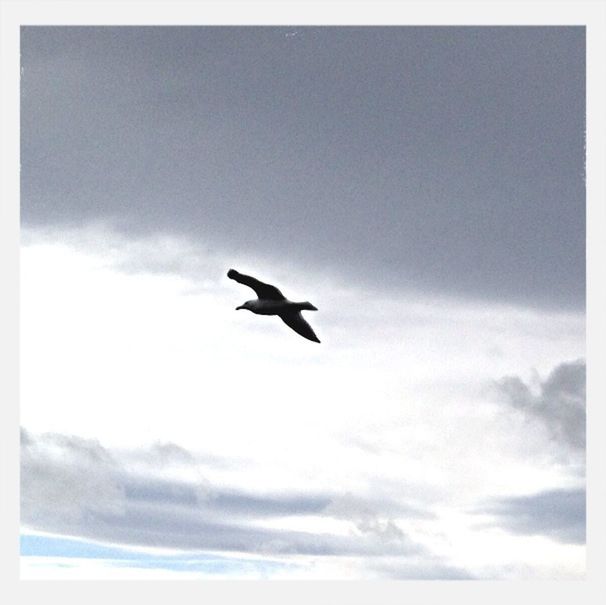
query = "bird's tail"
x=307 y=306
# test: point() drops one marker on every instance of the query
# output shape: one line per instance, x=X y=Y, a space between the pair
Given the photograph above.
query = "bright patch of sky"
x=400 y=404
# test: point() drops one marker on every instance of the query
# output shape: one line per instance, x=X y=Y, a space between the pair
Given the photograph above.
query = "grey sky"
x=447 y=159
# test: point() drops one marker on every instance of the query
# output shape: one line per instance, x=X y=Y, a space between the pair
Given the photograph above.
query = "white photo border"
x=15 y=14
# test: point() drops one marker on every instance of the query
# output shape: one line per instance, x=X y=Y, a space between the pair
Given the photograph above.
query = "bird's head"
x=245 y=305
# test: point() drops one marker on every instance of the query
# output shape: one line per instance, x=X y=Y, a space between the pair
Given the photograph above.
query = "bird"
x=270 y=301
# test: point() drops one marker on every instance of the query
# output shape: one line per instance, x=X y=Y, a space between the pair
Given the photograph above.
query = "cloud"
x=428 y=434
x=194 y=132
x=169 y=452
x=45 y=554
x=374 y=518
x=74 y=486
x=64 y=480
x=51 y=556
x=558 y=403
x=558 y=514
x=416 y=570
x=132 y=254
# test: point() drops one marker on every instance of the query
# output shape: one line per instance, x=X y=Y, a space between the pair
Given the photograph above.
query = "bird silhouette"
x=270 y=301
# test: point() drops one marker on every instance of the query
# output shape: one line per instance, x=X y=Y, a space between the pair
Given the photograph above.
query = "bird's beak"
x=238 y=308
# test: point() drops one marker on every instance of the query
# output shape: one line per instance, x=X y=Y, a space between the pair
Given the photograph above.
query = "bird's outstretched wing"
x=294 y=320
x=262 y=290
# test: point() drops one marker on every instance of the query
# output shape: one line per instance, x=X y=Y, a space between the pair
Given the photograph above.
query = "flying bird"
x=270 y=301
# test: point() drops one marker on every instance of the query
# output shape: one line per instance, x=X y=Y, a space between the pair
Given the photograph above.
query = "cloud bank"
x=309 y=147
x=76 y=487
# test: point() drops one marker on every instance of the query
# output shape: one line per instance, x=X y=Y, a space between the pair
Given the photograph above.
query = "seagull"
x=271 y=301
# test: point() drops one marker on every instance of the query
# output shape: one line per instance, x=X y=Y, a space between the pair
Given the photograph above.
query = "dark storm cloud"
x=449 y=159
x=76 y=487
x=557 y=514
x=559 y=403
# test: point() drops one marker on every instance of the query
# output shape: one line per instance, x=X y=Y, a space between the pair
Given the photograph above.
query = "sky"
x=424 y=187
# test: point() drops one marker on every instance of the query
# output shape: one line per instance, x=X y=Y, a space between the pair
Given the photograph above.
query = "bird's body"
x=275 y=307
x=271 y=301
